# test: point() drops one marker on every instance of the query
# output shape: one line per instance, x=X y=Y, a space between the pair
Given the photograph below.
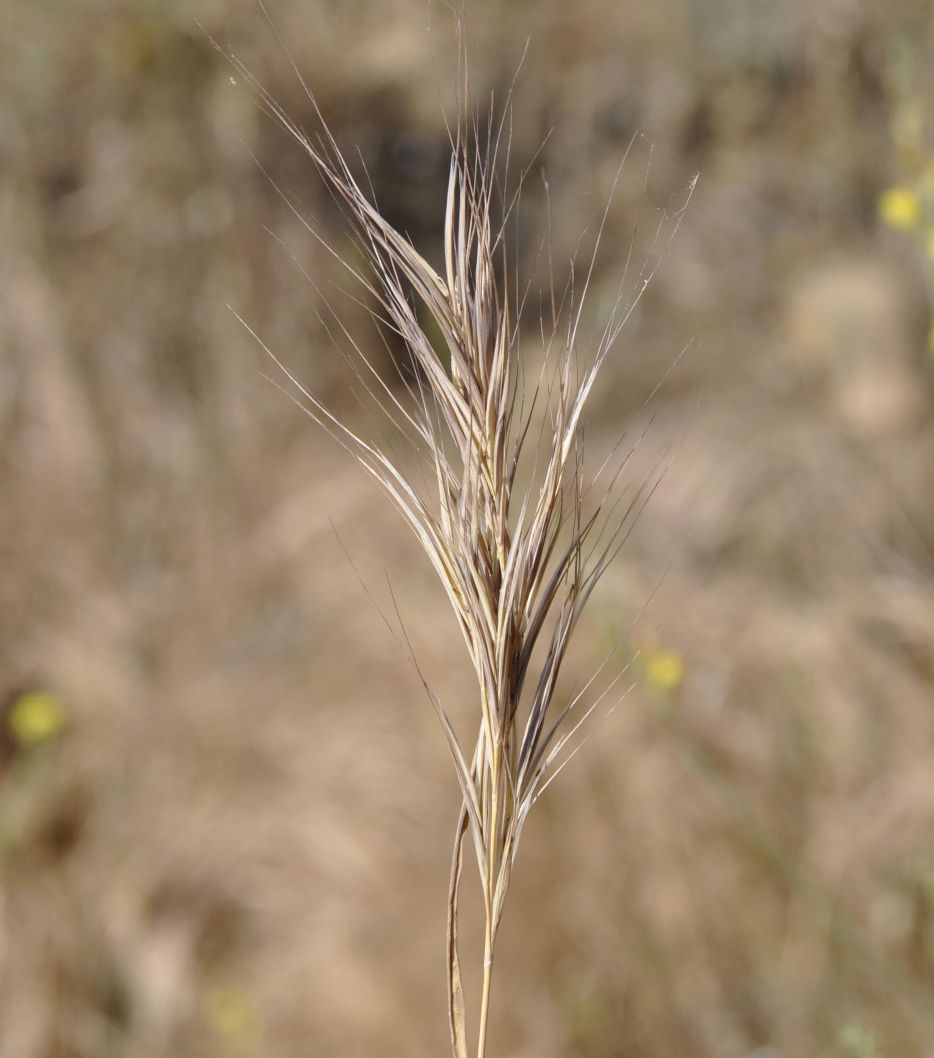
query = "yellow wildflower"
x=233 y=1018
x=900 y=208
x=36 y=717
x=664 y=670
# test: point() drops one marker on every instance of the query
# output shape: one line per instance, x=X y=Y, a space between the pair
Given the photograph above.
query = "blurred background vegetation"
x=225 y=808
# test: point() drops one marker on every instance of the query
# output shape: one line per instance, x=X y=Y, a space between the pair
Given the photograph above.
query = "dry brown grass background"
x=238 y=845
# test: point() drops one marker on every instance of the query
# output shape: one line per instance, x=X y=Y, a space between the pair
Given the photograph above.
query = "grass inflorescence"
x=484 y=459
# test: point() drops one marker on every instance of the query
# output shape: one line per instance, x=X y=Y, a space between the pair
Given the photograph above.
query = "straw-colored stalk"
x=501 y=507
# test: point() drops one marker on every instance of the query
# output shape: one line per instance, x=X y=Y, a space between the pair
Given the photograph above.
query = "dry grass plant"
x=483 y=456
